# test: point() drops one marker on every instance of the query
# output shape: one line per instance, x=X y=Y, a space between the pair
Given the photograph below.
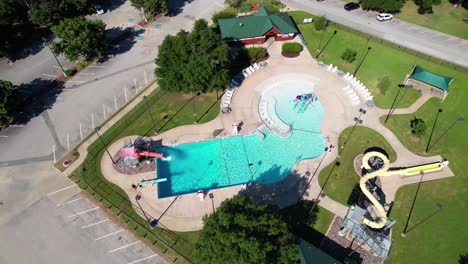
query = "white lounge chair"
x=252 y=69
x=256 y=67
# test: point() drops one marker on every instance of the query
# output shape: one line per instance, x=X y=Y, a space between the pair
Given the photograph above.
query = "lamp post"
x=216 y=63
x=432 y=131
x=403 y=234
x=358 y=120
x=55 y=57
x=326 y=44
x=458 y=120
x=364 y=55
x=193 y=104
x=104 y=144
x=394 y=104
x=149 y=110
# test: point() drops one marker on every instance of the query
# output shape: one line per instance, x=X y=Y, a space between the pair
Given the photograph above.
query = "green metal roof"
x=436 y=80
x=256 y=25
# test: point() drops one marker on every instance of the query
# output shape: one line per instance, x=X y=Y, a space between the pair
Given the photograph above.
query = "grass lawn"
x=168 y=111
x=444 y=235
x=343 y=177
x=445 y=18
x=381 y=60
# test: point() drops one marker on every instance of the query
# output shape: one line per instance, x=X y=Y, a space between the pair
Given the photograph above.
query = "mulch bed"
x=290 y=54
x=340 y=247
x=260 y=59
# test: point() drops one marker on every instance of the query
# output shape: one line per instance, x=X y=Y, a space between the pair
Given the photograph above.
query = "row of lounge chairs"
x=352 y=94
x=253 y=68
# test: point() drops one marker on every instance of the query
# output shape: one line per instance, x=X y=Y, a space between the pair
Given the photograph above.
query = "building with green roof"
x=258 y=28
x=440 y=82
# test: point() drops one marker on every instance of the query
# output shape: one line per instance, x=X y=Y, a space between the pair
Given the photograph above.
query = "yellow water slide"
x=381 y=220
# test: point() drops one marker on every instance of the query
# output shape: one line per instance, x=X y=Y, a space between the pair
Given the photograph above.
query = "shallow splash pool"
x=246 y=158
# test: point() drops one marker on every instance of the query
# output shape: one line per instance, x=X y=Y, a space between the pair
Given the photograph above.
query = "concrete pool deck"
x=185 y=213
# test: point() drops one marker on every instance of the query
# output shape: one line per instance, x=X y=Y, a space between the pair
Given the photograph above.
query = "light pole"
x=358 y=121
x=459 y=120
x=149 y=110
x=326 y=44
x=216 y=63
x=193 y=104
x=55 y=57
x=403 y=234
x=395 y=103
x=432 y=131
x=104 y=144
x=362 y=60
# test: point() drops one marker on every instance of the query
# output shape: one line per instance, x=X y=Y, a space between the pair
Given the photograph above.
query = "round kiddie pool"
x=241 y=159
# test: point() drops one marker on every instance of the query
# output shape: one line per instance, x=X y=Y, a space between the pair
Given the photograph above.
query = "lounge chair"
x=255 y=65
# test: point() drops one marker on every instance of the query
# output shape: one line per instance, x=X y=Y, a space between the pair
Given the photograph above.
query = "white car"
x=99 y=10
x=384 y=17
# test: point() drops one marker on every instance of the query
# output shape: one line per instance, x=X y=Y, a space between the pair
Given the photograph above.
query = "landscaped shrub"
x=226 y=13
x=418 y=126
x=384 y=84
x=291 y=47
x=320 y=23
x=245 y=7
x=349 y=55
x=70 y=72
x=82 y=64
x=257 y=53
x=388 y=6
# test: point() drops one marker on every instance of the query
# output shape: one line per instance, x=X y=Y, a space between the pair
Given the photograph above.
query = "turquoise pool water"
x=242 y=159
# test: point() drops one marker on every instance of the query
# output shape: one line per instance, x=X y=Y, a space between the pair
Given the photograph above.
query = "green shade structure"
x=436 y=80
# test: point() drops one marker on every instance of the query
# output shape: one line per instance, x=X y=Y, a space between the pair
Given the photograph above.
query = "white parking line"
x=84 y=212
x=49 y=75
x=96 y=66
x=3 y=136
x=113 y=233
x=218 y=4
x=138 y=260
x=16 y=125
x=69 y=202
x=4 y=165
x=63 y=189
x=75 y=81
x=131 y=244
x=97 y=223
x=87 y=73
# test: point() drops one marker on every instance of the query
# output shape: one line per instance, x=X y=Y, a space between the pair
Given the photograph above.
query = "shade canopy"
x=436 y=80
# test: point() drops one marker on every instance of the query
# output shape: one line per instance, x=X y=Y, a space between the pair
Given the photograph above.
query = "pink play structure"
x=132 y=151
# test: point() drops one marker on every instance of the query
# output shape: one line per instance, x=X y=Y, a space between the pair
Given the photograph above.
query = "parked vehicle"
x=351 y=6
x=99 y=10
x=384 y=17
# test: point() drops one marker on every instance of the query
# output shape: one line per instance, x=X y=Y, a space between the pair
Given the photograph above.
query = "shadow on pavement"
x=31 y=49
x=35 y=97
x=176 y=6
x=120 y=41
x=110 y=5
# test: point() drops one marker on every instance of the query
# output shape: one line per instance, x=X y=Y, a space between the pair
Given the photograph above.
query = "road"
x=59 y=119
x=421 y=39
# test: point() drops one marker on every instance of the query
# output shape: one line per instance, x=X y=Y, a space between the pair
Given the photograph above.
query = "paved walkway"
x=184 y=213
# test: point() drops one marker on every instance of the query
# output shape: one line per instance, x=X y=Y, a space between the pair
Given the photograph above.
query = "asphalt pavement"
x=421 y=39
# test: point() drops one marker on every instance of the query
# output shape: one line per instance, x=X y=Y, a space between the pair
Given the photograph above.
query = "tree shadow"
x=176 y=7
x=31 y=48
x=283 y=193
x=120 y=41
x=463 y=259
x=110 y=5
x=31 y=99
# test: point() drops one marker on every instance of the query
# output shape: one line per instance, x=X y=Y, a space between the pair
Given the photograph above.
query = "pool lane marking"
x=97 y=223
x=131 y=244
x=63 y=189
x=110 y=234
x=83 y=212
x=69 y=202
x=138 y=260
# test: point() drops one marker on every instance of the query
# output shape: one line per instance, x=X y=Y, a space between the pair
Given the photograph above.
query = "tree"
x=198 y=59
x=48 y=13
x=233 y=3
x=242 y=232
x=320 y=23
x=418 y=126
x=6 y=97
x=226 y=13
x=79 y=37
x=349 y=55
x=388 y=6
x=150 y=6
x=13 y=25
x=384 y=84
x=425 y=6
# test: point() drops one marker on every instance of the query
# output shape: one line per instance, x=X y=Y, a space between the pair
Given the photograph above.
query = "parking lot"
x=65 y=227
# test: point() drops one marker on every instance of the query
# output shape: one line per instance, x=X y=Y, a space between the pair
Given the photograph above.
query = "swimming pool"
x=247 y=158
